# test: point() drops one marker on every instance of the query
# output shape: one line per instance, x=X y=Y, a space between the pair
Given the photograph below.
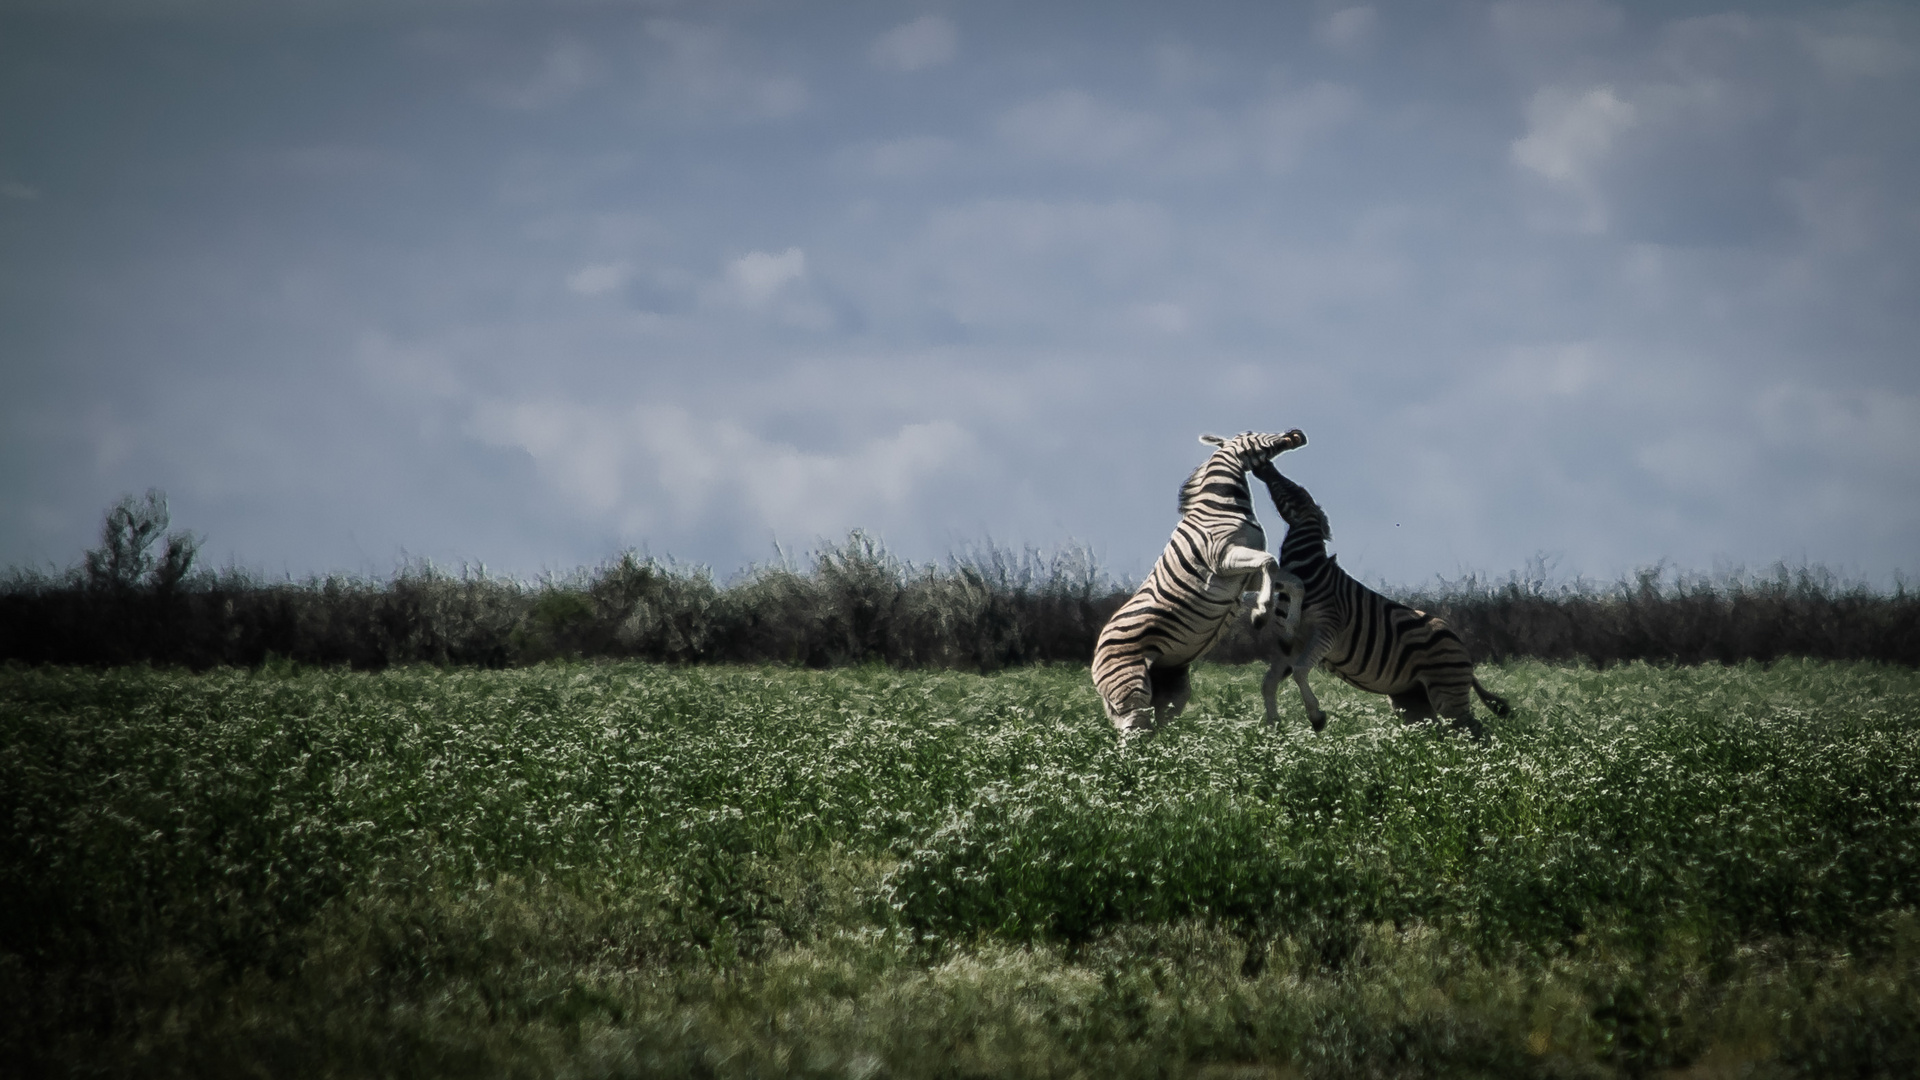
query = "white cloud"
x=660 y=469
x=928 y=41
x=13 y=189
x=1569 y=136
x=1348 y=29
x=810 y=494
x=600 y=279
x=758 y=276
x=582 y=451
x=769 y=286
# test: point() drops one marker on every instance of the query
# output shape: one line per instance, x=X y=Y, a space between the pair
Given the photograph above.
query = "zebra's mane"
x=1196 y=480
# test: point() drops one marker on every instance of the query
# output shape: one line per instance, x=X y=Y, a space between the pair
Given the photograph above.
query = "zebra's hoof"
x=1319 y=721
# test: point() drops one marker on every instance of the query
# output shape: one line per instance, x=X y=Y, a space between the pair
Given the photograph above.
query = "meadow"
x=634 y=869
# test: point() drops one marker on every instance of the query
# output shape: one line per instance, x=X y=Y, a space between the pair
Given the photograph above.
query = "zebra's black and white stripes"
x=1374 y=643
x=1218 y=550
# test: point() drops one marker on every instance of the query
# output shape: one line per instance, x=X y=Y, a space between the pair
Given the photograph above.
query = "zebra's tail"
x=1494 y=701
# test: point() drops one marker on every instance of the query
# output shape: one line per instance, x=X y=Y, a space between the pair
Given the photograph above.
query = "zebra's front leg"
x=1314 y=716
x=1308 y=652
x=1241 y=560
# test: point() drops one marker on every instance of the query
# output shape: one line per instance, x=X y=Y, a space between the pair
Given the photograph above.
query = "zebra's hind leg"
x=1457 y=708
x=1412 y=705
x=1131 y=709
x=1171 y=689
x=1133 y=717
x=1277 y=670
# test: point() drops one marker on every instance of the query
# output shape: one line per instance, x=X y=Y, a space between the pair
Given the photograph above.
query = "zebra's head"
x=1256 y=448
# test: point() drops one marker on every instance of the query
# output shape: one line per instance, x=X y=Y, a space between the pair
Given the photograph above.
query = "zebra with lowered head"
x=1374 y=643
x=1217 y=553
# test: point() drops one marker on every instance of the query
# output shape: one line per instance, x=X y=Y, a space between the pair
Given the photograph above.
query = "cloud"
x=340 y=162
x=663 y=470
x=566 y=68
x=1860 y=56
x=581 y=450
x=770 y=287
x=1283 y=126
x=758 y=276
x=1164 y=316
x=1876 y=429
x=1005 y=263
x=904 y=159
x=1347 y=30
x=599 y=279
x=1272 y=132
x=928 y=41
x=1074 y=127
x=700 y=77
x=13 y=189
x=1570 y=135
x=1551 y=24
x=408 y=370
x=1533 y=375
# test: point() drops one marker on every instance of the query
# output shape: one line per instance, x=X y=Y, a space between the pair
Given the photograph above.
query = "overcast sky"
x=528 y=284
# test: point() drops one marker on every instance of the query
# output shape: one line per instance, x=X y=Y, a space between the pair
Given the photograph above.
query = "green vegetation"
x=635 y=870
x=135 y=599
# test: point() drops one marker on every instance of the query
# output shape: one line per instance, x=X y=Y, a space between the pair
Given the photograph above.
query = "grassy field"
x=636 y=870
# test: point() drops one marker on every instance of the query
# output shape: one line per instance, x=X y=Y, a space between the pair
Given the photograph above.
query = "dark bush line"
x=1665 y=617
x=857 y=604
x=134 y=600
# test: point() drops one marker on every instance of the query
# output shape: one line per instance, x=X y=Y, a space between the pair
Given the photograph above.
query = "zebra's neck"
x=1304 y=548
x=1217 y=490
x=1307 y=534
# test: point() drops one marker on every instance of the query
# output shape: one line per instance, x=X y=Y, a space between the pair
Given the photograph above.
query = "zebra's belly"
x=1201 y=622
x=1374 y=682
x=1372 y=671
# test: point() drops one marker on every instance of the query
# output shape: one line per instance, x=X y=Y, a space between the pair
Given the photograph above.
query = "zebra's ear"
x=1213 y=440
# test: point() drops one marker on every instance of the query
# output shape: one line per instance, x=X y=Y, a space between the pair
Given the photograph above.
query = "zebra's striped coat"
x=1216 y=554
x=1376 y=644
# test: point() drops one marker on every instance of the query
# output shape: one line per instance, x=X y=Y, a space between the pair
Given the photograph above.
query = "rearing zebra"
x=1140 y=662
x=1372 y=642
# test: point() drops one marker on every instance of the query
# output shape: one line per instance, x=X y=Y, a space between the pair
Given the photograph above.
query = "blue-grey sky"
x=525 y=284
